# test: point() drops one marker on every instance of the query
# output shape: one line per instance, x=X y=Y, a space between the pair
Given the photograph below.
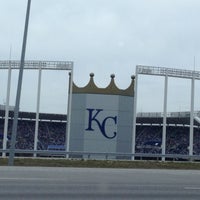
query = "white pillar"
x=164 y=118
x=191 y=140
x=68 y=124
x=37 y=110
x=5 y=134
x=134 y=112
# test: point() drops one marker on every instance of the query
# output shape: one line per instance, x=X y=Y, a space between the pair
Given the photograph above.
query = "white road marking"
x=192 y=188
x=25 y=179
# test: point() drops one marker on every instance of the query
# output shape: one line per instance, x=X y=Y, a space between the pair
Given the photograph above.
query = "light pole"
x=17 y=102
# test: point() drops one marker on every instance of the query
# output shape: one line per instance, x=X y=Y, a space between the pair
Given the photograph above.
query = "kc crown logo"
x=93 y=118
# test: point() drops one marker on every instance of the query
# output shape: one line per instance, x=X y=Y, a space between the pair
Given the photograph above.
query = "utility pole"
x=17 y=102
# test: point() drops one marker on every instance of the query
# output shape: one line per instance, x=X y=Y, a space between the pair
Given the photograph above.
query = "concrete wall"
x=101 y=123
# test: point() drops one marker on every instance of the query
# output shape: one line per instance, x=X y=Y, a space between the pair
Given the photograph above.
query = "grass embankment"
x=102 y=163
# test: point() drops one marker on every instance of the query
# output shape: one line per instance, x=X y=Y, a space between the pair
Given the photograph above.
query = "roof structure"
x=184 y=121
x=141 y=120
x=173 y=118
x=32 y=116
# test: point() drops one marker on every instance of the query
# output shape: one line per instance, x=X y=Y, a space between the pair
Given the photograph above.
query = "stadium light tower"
x=17 y=102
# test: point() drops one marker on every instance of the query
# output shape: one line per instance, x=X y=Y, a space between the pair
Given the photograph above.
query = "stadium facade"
x=102 y=121
x=52 y=131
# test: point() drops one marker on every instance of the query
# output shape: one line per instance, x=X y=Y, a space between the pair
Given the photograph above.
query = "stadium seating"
x=49 y=133
x=148 y=137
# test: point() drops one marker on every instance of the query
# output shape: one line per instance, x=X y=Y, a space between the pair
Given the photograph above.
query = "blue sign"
x=93 y=117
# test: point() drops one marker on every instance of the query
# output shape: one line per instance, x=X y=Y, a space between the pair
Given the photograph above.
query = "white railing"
x=37 y=64
x=171 y=72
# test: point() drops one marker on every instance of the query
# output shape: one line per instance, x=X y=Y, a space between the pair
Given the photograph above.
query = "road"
x=38 y=183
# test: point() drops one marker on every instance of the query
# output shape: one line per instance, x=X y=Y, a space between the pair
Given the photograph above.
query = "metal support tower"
x=164 y=118
x=168 y=72
x=7 y=112
x=69 y=113
x=134 y=112
x=191 y=141
x=37 y=110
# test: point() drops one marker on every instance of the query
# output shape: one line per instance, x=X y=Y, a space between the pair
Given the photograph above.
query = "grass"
x=101 y=163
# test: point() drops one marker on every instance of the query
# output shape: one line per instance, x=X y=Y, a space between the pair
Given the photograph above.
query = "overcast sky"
x=103 y=37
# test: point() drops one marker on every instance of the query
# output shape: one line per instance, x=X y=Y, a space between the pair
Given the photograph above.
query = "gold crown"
x=111 y=89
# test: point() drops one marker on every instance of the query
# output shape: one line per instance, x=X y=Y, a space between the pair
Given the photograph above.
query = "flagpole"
x=17 y=102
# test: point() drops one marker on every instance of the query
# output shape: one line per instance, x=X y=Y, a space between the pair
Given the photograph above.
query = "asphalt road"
x=20 y=183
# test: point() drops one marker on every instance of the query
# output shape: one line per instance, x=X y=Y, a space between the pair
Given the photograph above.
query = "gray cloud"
x=105 y=36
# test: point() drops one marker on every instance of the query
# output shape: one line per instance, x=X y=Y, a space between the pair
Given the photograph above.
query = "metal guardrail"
x=102 y=155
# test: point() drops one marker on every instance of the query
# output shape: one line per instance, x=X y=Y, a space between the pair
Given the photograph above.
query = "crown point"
x=133 y=77
x=91 y=74
x=112 y=76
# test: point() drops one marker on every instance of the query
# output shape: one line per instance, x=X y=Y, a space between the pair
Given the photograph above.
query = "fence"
x=103 y=155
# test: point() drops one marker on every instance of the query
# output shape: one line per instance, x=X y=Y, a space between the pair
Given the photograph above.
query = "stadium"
x=148 y=136
x=61 y=135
